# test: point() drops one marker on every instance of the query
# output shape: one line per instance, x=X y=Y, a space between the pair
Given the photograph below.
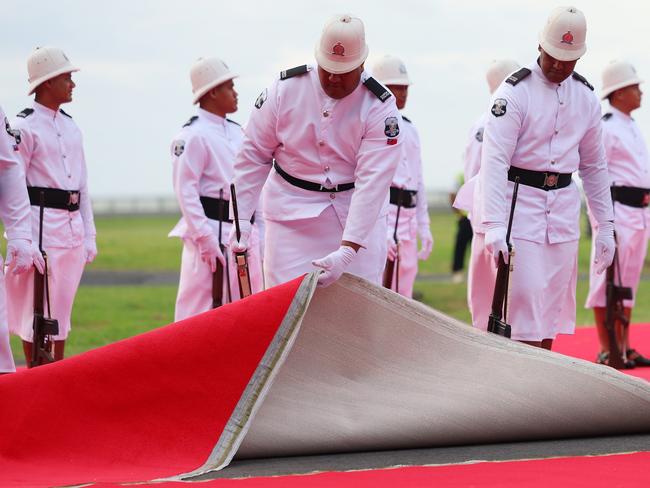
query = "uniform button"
x=548 y=211
x=327 y=168
x=321 y=143
x=64 y=156
x=326 y=113
x=553 y=161
x=556 y=131
x=332 y=196
x=561 y=103
x=58 y=135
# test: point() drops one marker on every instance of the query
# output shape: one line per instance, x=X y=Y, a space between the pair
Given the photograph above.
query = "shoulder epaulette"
x=233 y=122
x=607 y=116
x=191 y=121
x=290 y=73
x=26 y=113
x=517 y=76
x=407 y=119
x=67 y=115
x=582 y=80
x=379 y=90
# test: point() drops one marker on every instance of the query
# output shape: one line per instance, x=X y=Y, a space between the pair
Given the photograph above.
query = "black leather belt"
x=55 y=198
x=218 y=209
x=403 y=198
x=544 y=180
x=631 y=196
x=310 y=185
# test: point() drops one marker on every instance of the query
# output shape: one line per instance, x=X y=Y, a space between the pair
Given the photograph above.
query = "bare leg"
x=27 y=349
x=600 y=314
x=59 y=347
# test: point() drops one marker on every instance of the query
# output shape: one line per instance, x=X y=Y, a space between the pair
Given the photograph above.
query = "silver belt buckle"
x=73 y=198
x=550 y=180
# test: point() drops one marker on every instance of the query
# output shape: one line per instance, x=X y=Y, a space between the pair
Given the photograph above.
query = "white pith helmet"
x=564 y=34
x=206 y=73
x=391 y=70
x=617 y=75
x=498 y=71
x=342 y=46
x=46 y=63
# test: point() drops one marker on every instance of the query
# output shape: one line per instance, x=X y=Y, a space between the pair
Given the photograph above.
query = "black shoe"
x=638 y=359
x=603 y=358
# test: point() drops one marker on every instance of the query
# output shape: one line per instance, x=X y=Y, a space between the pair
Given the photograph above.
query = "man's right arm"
x=253 y=162
x=15 y=208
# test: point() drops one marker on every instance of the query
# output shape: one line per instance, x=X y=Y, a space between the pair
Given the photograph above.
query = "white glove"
x=604 y=247
x=90 y=249
x=495 y=243
x=37 y=256
x=426 y=243
x=19 y=255
x=210 y=252
x=334 y=264
x=392 y=249
x=242 y=244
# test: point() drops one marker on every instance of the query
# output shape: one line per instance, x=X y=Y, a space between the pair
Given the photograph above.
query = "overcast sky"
x=133 y=93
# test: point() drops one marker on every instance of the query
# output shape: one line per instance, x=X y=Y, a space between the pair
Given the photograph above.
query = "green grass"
x=106 y=314
x=137 y=243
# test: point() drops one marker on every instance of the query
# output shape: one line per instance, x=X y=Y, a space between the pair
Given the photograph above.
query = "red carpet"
x=155 y=406
x=101 y=416
x=584 y=345
x=624 y=470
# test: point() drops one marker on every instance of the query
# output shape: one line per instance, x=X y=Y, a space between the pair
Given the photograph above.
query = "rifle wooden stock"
x=615 y=313
x=496 y=324
x=243 y=275
x=217 y=286
x=392 y=266
x=217 y=276
x=389 y=271
x=43 y=327
x=497 y=321
x=241 y=258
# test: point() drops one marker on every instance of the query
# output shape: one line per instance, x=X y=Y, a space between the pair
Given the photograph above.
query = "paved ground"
x=441 y=455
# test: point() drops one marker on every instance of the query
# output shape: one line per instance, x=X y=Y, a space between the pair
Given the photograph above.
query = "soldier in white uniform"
x=629 y=175
x=407 y=187
x=332 y=132
x=203 y=157
x=481 y=273
x=545 y=125
x=52 y=154
x=16 y=217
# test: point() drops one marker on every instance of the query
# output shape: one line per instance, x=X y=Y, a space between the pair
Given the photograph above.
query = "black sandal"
x=638 y=359
x=603 y=358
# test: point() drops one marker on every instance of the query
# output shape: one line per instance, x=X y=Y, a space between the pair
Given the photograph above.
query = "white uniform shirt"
x=203 y=155
x=409 y=177
x=544 y=126
x=14 y=203
x=473 y=148
x=323 y=140
x=628 y=164
x=52 y=153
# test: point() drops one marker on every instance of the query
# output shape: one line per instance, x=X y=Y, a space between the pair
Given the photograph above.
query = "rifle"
x=241 y=258
x=497 y=322
x=217 y=276
x=392 y=267
x=615 y=294
x=44 y=327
